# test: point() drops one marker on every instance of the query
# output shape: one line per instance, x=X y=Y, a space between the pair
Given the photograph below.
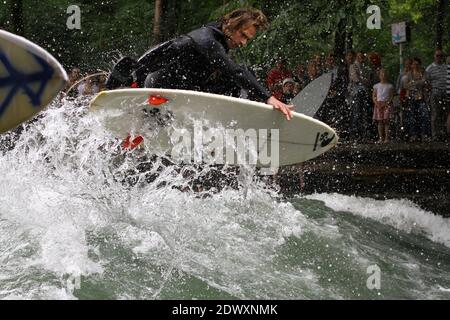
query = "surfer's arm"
x=246 y=80
x=219 y=59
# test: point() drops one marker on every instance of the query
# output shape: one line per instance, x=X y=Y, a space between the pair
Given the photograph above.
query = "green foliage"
x=412 y=10
x=108 y=29
x=298 y=30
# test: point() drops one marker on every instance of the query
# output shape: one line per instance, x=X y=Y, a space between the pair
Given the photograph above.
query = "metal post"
x=401 y=57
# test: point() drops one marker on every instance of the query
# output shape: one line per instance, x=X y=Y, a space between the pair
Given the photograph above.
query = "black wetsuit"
x=198 y=61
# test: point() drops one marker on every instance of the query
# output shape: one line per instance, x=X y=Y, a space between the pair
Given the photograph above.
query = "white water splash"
x=401 y=214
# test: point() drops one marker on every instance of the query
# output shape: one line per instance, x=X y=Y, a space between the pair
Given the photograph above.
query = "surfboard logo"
x=17 y=80
x=323 y=140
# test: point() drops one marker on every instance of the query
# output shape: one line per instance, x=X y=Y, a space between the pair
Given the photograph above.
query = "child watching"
x=288 y=90
x=383 y=93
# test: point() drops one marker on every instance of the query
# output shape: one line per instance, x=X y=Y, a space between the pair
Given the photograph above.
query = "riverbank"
x=416 y=171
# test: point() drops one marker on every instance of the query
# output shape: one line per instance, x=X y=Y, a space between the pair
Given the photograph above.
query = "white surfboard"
x=30 y=78
x=163 y=118
x=309 y=100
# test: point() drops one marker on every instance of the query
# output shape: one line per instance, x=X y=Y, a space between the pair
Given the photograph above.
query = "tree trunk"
x=170 y=17
x=157 y=36
x=17 y=17
x=440 y=15
x=339 y=42
x=349 y=40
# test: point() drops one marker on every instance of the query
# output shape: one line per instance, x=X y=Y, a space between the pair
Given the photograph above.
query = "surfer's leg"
x=160 y=79
x=153 y=80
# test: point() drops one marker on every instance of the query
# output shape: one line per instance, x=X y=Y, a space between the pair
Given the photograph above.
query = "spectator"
x=288 y=90
x=339 y=75
x=101 y=82
x=297 y=88
x=330 y=65
x=88 y=87
x=350 y=57
x=300 y=76
x=337 y=111
x=276 y=76
x=404 y=101
x=359 y=98
x=403 y=74
x=383 y=93
x=312 y=72
x=344 y=94
x=317 y=58
x=74 y=76
x=435 y=75
x=375 y=66
x=448 y=97
x=417 y=116
x=328 y=113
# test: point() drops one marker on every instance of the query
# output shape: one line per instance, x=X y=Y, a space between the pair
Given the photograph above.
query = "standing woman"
x=448 y=98
x=418 y=113
x=404 y=122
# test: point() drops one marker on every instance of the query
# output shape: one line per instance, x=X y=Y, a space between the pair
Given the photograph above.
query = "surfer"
x=199 y=61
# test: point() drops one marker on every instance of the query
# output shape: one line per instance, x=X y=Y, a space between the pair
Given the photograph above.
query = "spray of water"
x=80 y=218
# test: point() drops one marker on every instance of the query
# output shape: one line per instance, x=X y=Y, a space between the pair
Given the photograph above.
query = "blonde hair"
x=240 y=17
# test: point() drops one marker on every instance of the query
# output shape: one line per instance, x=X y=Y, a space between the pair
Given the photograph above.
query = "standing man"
x=436 y=75
x=359 y=98
x=199 y=61
x=448 y=97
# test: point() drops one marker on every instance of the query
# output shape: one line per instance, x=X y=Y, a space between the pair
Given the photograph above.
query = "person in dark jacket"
x=199 y=61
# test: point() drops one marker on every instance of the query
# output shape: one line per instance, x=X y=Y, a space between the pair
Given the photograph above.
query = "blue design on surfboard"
x=18 y=80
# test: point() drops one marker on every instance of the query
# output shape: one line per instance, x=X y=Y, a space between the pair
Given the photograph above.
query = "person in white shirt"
x=448 y=97
x=383 y=93
x=359 y=95
x=435 y=75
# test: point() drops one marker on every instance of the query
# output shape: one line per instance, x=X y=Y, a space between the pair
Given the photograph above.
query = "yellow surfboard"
x=30 y=78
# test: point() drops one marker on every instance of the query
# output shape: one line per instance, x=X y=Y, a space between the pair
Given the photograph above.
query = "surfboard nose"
x=30 y=78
